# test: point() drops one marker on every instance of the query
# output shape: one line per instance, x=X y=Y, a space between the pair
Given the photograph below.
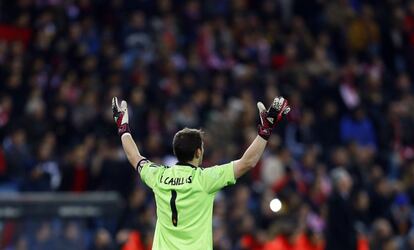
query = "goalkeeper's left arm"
x=268 y=120
x=120 y=114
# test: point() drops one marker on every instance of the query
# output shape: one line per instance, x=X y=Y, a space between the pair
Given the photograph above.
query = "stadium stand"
x=346 y=67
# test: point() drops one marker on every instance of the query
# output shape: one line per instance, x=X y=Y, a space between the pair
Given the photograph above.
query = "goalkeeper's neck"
x=194 y=162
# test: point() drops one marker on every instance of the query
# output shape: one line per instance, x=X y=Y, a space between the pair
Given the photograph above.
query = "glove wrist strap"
x=123 y=128
x=264 y=132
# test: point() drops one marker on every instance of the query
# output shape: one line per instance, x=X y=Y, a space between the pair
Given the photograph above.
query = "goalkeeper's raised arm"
x=268 y=120
x=120 y=114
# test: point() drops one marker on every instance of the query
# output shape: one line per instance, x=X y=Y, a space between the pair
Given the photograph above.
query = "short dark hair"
x=186 y=142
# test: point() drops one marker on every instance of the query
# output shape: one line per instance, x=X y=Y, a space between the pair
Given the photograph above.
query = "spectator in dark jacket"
x=340 y=232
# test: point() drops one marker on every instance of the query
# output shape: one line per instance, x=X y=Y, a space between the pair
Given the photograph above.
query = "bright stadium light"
x=275 y=205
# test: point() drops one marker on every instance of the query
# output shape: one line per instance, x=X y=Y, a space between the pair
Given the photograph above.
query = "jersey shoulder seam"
x=199 y=179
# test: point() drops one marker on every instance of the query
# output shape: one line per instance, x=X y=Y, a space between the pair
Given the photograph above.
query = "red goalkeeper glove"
x=269 y=118
x=120 y=114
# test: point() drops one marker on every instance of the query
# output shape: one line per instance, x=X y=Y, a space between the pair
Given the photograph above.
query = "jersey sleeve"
x=149 y=172
x=215 y=178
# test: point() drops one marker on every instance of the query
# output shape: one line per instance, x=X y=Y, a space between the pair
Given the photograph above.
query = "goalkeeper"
x=184 y=193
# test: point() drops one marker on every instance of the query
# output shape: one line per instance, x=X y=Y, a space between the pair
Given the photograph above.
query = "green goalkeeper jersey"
x=184 y=196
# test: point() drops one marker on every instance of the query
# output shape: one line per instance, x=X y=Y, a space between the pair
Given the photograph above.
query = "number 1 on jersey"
x=174 y=213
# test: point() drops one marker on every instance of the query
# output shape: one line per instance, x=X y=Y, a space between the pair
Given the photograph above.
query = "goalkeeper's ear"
x=198 y=153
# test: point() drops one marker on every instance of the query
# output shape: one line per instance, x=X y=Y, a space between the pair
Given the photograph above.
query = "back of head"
x=186 y=142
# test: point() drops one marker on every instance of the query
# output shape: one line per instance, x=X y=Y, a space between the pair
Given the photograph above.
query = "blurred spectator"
x=44 y=238
x=102 y=240
x=76 y=175
x=401 y=215
x=340 y=231
x=358 y=128
x=21 y=244
x=273 y=168
x=381 y=198
x=381 y=234
x=363 y=32
x=328 y=125
x=408 y=243
x=17 y=156
x=362 y=210
x=44 y=174
x=285 y=236
x=72 y=238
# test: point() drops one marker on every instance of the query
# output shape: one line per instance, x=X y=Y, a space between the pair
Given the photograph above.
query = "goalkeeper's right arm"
x=120 y=114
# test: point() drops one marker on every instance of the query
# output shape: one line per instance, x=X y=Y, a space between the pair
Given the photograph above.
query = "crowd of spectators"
x=346 y=67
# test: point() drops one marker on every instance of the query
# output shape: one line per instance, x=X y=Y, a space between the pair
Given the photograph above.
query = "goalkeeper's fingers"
x=286 y=111
x=281 y=105
x=278 y=103
x=115 y=106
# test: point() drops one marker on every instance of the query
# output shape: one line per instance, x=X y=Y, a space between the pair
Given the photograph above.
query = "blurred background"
x=342 y=164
